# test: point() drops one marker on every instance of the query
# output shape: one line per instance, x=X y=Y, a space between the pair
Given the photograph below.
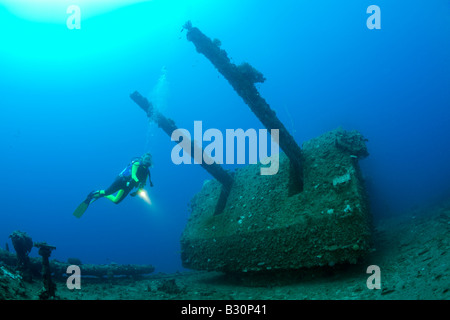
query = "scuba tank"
x=126 y=173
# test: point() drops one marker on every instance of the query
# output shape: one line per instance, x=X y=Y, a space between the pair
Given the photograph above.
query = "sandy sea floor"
x=412 y=252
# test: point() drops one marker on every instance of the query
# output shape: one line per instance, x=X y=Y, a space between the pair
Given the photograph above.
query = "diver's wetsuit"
x=124 y=178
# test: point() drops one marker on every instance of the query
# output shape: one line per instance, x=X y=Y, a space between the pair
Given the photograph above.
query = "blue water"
x=68 y=126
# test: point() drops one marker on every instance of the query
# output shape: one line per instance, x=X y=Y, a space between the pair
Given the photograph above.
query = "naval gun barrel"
x=243 y=78
x=169 y=126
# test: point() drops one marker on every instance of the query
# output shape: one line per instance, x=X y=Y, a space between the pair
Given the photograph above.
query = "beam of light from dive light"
x=144 y=196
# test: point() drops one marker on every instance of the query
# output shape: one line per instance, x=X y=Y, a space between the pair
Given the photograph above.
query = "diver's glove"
x=133 y=194
x=151 y=184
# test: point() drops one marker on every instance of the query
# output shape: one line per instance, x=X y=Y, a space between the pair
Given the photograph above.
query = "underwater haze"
x=68 y=125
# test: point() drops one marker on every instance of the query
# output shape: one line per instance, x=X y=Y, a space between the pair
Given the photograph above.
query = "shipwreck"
x=313 y=212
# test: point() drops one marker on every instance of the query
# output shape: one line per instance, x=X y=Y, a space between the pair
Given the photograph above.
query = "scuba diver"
x=133 y=176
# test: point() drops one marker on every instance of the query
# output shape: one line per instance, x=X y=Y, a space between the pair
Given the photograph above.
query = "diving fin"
x=81 y=209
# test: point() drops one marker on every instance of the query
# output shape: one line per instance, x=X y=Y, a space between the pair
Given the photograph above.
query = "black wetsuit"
x=121 y=182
